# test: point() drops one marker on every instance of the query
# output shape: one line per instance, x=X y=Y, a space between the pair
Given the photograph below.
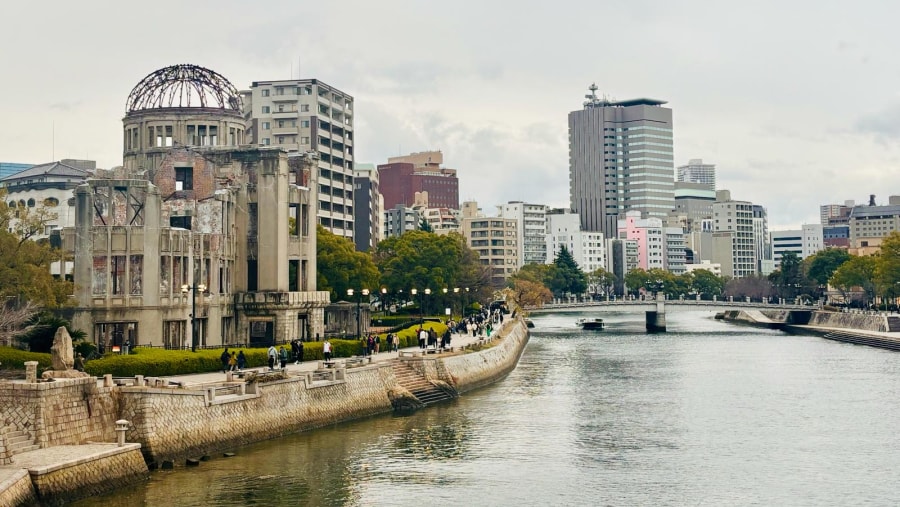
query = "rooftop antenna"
x=592 y=99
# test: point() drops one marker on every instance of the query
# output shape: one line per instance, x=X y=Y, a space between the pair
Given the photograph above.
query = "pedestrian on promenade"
x=377 y=344
x=224 y=358
x=299 y=351
x=294 y=349
x=241 y=360
x=232 y=361
x=396 y=342
x=423 y=338
x=370 y=343
x=283 y=355
x=326 y=350
x=272 y=354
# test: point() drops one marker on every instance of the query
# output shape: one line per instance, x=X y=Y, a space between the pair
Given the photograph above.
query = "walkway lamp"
x=384 y=309
x=413 y=292
x=456 y=294
x=193 y=289
x=359 y=295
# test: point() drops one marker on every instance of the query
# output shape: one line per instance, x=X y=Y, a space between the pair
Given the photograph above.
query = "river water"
x=707 y=414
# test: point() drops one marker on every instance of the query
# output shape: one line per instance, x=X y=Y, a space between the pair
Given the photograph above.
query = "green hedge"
x=14 y=359
x=152 y=362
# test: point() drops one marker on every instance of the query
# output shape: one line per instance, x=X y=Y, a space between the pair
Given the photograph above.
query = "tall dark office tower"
x=620 y=159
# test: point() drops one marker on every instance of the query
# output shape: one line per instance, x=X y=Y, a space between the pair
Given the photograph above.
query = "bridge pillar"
x=656 y=320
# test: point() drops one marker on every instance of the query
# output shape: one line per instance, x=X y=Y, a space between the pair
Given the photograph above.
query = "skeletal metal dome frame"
x=177 y=86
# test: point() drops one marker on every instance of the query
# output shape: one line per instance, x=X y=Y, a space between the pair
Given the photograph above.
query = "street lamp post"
x=193 y=289
x=456 y=296
x=359 y=294
x=384 y=308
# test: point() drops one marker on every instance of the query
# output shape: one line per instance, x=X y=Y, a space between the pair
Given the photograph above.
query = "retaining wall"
x=72 y=472
x=175 y=424
x=16 y=489
x=838 y=320
x=62 y=412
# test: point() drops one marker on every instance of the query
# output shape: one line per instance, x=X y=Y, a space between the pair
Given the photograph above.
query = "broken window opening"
x=184 y=178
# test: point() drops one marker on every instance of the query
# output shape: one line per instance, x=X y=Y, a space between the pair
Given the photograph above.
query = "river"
x=709 y=413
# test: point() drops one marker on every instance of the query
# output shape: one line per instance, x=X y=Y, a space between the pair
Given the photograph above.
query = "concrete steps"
x=893 y=324
x=420 y=387
x=19 y=442
x=860 y=339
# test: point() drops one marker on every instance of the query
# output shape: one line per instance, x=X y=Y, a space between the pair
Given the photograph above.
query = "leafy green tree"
x=603 y=279
x=537 y=273
x=567 y=277
x=420 y=260
x=341 y=267
x=823 y=264
x=887 y=267
x=707 y=284
x=636 y=279
x=424 y=226
x=25 y=265
x=856 y=272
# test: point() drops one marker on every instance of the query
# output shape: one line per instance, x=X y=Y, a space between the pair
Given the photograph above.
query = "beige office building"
x=307 y=115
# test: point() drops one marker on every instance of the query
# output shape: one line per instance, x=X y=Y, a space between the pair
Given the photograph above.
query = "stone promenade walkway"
x=457 y=341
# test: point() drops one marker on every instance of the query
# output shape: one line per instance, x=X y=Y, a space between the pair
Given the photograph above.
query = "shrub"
x=14 y=359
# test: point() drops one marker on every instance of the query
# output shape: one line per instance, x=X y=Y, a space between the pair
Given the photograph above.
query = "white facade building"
x=804 y=242
x=697 y=172
x=588 y=249
x=532 y=227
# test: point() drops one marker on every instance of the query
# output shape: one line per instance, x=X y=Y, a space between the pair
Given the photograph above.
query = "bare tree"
x=14 y=321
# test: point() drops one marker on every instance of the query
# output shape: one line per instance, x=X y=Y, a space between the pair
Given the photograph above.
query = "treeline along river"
x=709 y=413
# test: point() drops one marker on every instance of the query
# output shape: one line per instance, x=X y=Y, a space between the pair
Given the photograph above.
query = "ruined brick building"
x=198 y=239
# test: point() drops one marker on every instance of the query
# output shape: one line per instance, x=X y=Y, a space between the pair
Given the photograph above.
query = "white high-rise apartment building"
x=620 y=159
x=308 y=115
x=532 y=229
x=733 y=244
x=697 y=172
x=588 y=249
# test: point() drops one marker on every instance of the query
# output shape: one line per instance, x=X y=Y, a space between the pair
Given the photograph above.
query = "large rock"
x=61 y=353
x=53 y=374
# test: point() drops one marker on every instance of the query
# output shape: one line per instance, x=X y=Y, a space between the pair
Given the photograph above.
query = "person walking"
x=241 y=360
x=224 y=358
x=377 y=344
x=284 y=356
x=271 y=354
x=396 y=342
x=299 y=351
x=232 y=361
x=326 y=350
x=423 y=338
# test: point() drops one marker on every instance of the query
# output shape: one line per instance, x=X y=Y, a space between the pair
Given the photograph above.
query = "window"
x=184 y=178
x=180 y=222
x=304 y=108
x=265 y=93
x=266 y=125
x=280 y=108
x=281 y=124
x=266 y=141
x=279 y=90
x=266 y=109
x=304 y=124
x=280 y=139
x=304 y=140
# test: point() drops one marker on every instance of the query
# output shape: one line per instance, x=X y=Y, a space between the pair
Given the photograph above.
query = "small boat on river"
x=590 y=324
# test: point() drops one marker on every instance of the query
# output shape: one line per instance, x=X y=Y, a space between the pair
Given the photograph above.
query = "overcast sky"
x=797 y=103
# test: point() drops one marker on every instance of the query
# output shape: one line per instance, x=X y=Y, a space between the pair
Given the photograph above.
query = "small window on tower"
x=184 y=178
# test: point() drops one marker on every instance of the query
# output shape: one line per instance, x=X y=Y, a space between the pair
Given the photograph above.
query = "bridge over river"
x=656 y=308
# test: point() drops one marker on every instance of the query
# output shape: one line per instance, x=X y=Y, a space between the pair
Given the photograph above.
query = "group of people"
x=232 y=361
x=429 y=337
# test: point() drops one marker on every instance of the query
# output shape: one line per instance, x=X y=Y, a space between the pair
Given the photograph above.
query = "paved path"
x=457 y=341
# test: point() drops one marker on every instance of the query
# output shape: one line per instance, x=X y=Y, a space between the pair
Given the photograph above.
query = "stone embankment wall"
x=849 y=321
x=62 y=412
x=59 y=484
x=174 y=424
x=17 y=489
x=818 y=319
x=470 y=371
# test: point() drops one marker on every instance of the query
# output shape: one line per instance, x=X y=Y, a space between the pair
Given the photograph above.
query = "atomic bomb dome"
x=183 y=86
x=180 y=107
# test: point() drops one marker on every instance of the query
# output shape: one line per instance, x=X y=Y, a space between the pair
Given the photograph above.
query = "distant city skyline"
x=807 y=115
